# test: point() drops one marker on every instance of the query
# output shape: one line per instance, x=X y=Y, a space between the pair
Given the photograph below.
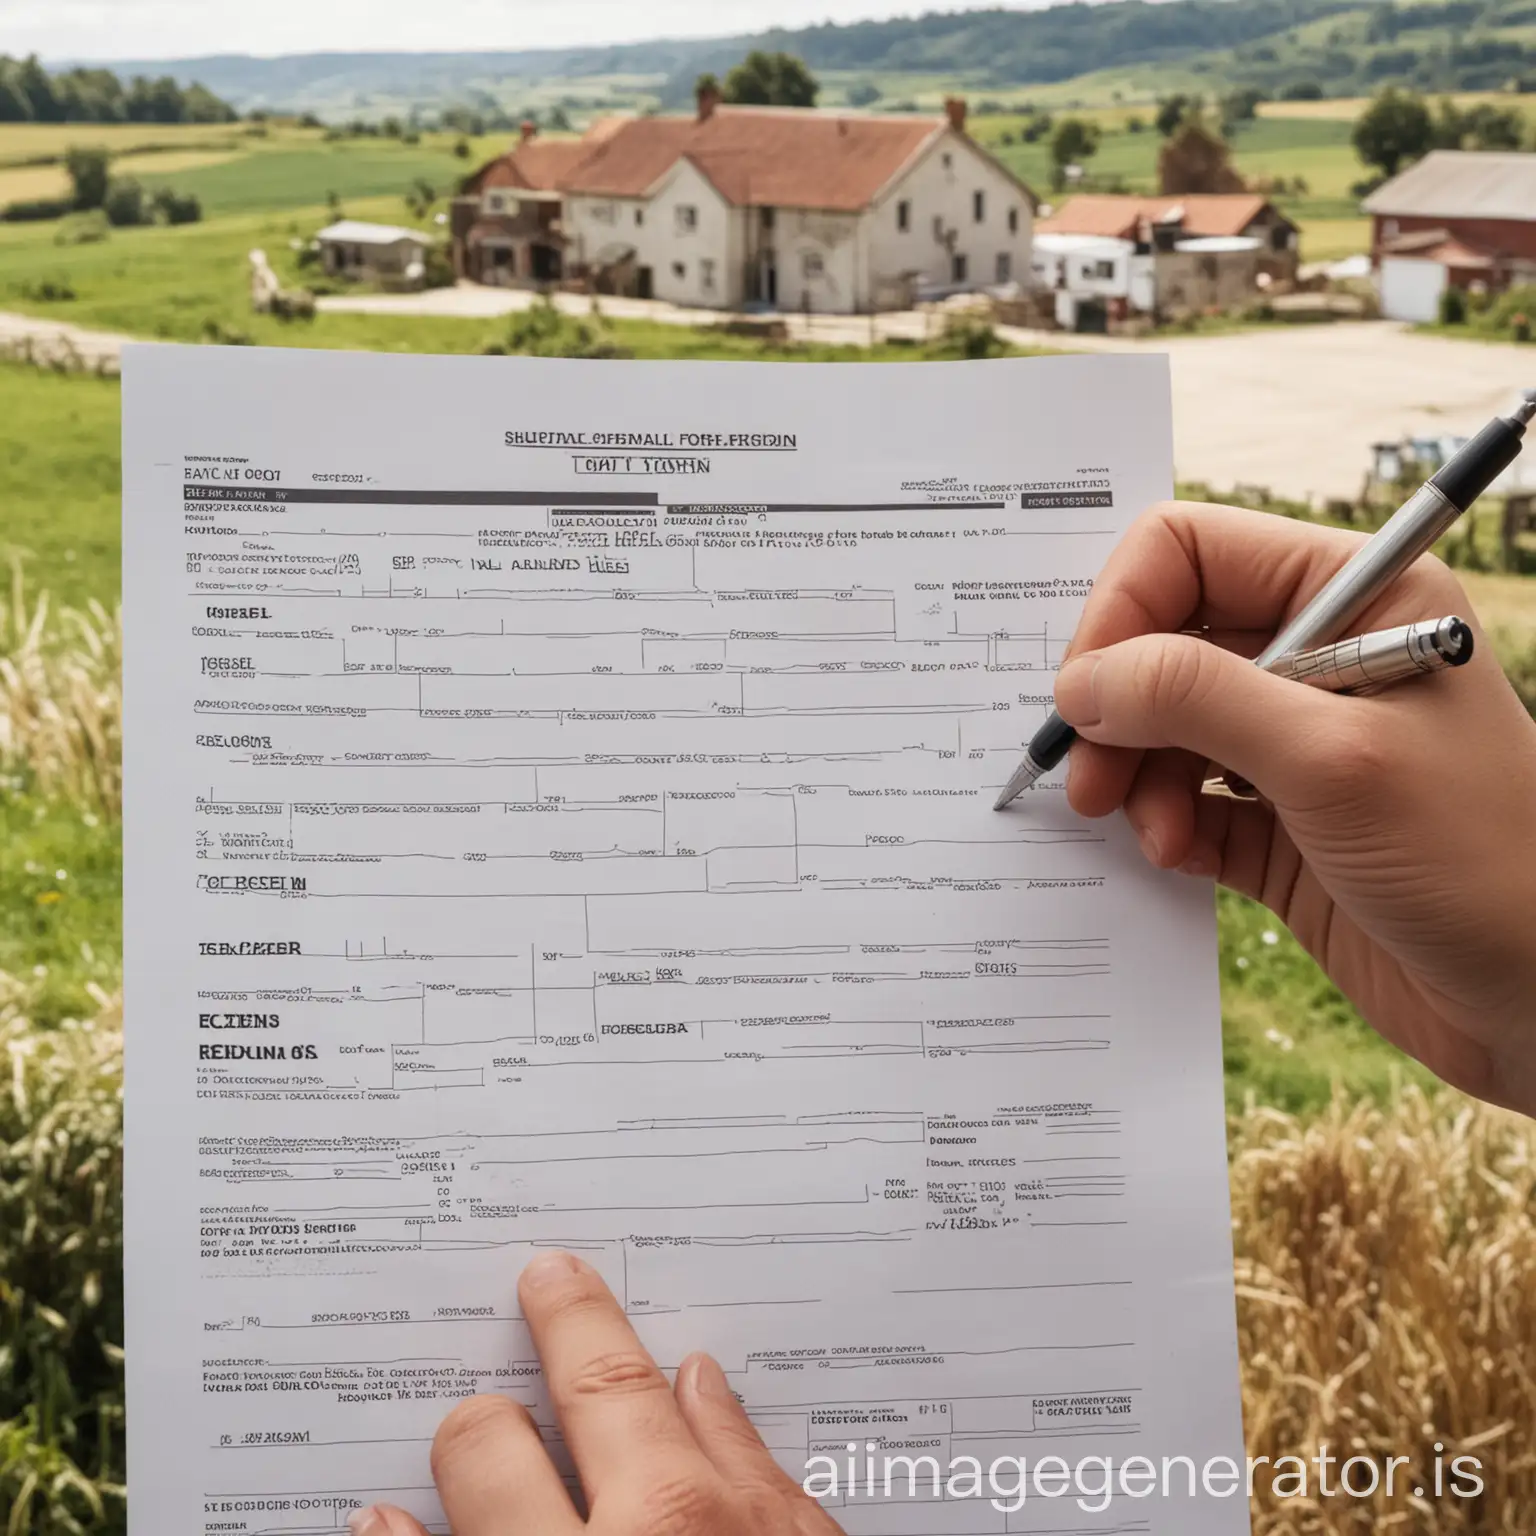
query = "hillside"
x=1135 y=48
x=988 y=48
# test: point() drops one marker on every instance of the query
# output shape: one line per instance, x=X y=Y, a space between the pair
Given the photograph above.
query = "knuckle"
x=1351 y=765
x=682 y=1506
x=1174 y=675
x=473 y=1426
x=617 y=1374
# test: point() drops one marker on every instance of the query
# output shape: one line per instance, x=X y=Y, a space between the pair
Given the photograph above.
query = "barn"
x=1455 y=219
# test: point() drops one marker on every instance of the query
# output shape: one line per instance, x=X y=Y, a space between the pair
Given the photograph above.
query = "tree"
x=1172 y=111
x=1073 y=142
x=559 y=120
x=771 y=80
x=863 y=93
x=1195 y=160
x=1483 y=126
x=1396 y=127
x=89 y=170
x=1239 y=107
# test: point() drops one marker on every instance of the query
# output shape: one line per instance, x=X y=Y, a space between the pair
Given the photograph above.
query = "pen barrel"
x=1411 y=531
x=1378 y=660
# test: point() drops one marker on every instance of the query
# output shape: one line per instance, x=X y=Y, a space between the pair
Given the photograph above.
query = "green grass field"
x=1316 y=149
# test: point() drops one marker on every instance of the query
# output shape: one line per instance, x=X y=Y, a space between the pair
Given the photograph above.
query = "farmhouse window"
x=812 y=266
x=687 y=218
x=1004 y=266
x=903 y=215
x=1013 y=221
x=979 y=206
x=707 y=275
x=959 y=268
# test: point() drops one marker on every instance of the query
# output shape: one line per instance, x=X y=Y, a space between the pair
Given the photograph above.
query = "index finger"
x=1186 y=564
x=616 y=1409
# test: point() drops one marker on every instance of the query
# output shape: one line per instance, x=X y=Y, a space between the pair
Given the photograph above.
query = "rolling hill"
x=1299 y=47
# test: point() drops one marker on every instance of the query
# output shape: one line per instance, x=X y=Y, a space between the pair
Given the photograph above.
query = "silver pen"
x=1411 y=531
x=1381 y=659
x=1361 y=665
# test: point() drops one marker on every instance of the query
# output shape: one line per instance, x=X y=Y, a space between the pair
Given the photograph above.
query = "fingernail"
x=708 y=1380
x=367 y=1522
x=1076 y=691
x=551 y=1268
x=1151 y=845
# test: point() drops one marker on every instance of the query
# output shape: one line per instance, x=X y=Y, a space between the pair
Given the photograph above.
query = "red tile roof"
x=762 y=156
x=538 y=165
x=1121 y=217
x=754 y=156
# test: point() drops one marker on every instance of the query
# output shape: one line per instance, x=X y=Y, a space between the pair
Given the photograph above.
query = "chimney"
x=527 y=129
x=954 y=110
x=709 y=99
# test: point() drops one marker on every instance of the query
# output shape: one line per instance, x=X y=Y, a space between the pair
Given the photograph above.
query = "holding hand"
x=653 y=1461
x=1398 y=837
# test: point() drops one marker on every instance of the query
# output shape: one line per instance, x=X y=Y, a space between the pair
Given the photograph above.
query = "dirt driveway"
x=1297 y=409
x=1292 y=409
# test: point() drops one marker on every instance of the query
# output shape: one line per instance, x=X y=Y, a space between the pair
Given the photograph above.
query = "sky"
x=154 y=29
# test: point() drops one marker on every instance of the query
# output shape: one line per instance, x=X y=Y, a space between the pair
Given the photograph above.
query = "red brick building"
x=1456 y=219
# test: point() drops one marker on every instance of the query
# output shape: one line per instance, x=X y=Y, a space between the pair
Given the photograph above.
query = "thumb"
x=1177 y=691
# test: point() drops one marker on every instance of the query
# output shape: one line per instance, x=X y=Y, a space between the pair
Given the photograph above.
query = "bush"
x=968 y=337
x=82 y=228
x=48 y=290
x=293 y=304
x=172 y=207
x=1453 y=306
x=217 y=334
x=125 y=203
x=30 y=210
x=544 y=331
x=439 y=268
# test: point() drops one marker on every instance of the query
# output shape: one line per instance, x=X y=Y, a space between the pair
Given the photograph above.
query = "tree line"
x=1400 y=127
x=30 y=94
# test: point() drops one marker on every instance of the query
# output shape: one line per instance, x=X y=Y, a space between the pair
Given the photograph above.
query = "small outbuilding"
x=387 y=254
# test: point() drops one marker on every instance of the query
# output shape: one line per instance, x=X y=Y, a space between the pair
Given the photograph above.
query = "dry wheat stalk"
x=61 y=699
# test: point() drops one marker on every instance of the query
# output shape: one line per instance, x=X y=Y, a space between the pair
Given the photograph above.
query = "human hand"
x=1397 y=840
x=652 y=1461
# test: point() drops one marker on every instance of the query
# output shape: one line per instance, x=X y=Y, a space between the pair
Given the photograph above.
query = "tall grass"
x=61 y=700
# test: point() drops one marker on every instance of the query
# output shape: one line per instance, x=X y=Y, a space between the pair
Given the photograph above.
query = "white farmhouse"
x=789 y=209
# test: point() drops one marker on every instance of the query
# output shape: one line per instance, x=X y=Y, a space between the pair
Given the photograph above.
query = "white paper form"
x=559 y=813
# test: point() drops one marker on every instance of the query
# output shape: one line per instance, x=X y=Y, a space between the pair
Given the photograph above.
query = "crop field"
x=34 y=143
